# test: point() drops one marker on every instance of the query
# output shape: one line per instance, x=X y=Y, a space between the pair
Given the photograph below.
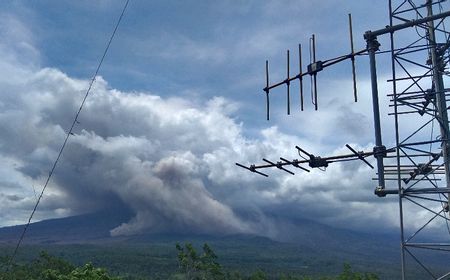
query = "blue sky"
x=179 y=101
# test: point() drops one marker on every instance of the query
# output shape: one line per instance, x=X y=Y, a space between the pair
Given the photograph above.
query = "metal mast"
x=438 y=67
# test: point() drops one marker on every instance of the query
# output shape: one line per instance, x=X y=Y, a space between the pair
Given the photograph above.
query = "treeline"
x=192 y=265
x=47 y=267
x=205 y=266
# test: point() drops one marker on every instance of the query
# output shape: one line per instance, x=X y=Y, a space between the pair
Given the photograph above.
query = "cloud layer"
x=170 y=160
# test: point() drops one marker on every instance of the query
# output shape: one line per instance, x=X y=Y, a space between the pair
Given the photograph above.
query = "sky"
x=177 y=102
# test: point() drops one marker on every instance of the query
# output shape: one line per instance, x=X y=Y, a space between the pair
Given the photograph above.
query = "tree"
x=87 y=272
x=348 y=274
x=47 y=267
x=258 y=275
x=198 y=267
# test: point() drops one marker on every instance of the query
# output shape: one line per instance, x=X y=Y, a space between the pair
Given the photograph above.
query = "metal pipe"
x=441 y=103
x=397 y=143
x=411 y=23
x=379 y=149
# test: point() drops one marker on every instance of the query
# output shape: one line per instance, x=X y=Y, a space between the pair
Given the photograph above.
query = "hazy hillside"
x=76 y=229
x=317 y=249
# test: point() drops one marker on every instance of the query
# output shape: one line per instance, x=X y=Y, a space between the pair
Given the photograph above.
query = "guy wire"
x=69 y=133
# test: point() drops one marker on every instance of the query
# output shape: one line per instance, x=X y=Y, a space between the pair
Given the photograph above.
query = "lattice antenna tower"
x=421 y=166
x=417 y=167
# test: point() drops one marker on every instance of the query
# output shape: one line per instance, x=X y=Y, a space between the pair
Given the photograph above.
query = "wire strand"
x=69 y=133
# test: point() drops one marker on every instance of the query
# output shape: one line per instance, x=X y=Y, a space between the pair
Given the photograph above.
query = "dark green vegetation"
x=48 y=267
x=156 y=257
x=206 y=266
x=233 y=258
x=191 y=266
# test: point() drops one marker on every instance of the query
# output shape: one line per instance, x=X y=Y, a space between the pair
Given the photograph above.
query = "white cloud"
x=17 y=46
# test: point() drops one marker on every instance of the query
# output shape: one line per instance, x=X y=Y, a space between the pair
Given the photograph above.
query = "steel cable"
x=69 y=133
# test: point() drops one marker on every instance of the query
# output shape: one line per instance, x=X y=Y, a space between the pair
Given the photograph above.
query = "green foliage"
x=294 y=277
x=47 y=267
x=37 y=269
x=258 y=275
x=198 y=267
x=205 y=266
x=192 y=265
x=87 y=272
x=348 y=274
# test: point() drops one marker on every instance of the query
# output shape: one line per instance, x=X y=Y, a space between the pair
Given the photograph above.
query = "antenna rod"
x=288 y=85
x=303 y=151
x=314 y=85
x=294 y=163
x=278 y=165
x=352 y=57
x=266 y=89
x=252 y=168
x=359 y=155
x=300 y=76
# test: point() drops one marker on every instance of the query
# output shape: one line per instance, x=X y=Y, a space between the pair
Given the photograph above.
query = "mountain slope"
x=314 y=249
x=93 y=227
x=75 y=229
x=310 y=238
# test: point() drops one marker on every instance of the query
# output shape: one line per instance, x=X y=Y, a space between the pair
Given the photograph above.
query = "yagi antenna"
x=313 y=68
x=312 y=161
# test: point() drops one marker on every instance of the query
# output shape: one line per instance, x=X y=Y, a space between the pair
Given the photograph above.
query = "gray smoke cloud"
x=137 y=148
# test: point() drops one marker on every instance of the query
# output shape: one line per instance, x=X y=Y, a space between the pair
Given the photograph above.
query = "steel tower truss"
x=421 y=166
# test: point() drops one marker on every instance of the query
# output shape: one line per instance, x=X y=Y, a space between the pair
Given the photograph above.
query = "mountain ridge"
x=94 y=228
x=316 y=247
